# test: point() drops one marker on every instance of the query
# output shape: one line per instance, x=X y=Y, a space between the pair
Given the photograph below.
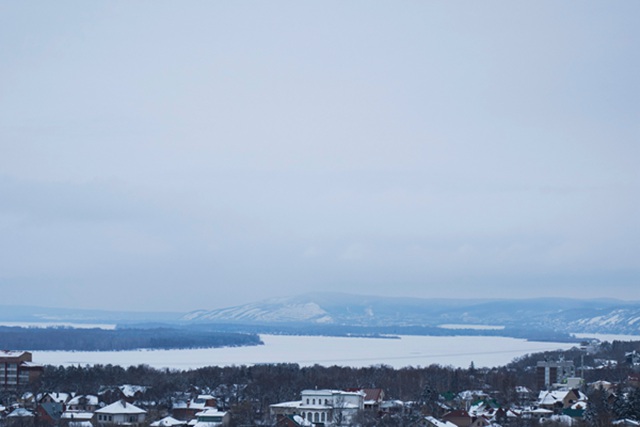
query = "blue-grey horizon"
x=169 y=156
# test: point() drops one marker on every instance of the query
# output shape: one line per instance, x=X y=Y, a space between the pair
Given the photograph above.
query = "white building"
x=120 y=413
x=323 y=407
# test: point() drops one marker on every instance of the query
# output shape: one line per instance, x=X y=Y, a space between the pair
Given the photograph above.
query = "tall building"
x=17 y=369
x=549 y=372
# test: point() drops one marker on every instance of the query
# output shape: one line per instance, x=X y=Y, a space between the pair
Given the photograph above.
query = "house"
x=322 y=407
x=128 y=392
x=61 y=398
x=293 y=421
x=20 y=417
x=212 y=418
x=557 y=400
x=120 y=413
x=17 y=369
x=373 y=397
x=83 y=403
x=169 y=422
x=182 y=410
x=49 y=413
x=76 y=419
x=434 y=422
x=632 y=358
x=462 y=418
x=132 y=393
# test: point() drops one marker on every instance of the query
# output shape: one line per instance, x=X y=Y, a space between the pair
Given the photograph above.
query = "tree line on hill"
x=94 y=339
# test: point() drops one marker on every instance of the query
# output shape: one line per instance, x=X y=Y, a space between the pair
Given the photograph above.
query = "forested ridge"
x=94 y=339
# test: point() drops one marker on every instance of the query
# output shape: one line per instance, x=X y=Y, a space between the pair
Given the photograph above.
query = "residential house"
x=322 y=407
x=212 y=418
x=76 y=419
x=182 y=410
x=168 y=422
x=559 y=400
x=61 y=398
x=462 y=418
x=49 y=413
x=293 y=421
x=83 y=403
x=120 y=413
x=434 y=422
x=127 y=392
x=373 y=397
x=20 y=417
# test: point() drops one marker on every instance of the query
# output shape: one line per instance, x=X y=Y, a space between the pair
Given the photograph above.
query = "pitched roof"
x=90 y=400
x=121 y=407
x=167 y=422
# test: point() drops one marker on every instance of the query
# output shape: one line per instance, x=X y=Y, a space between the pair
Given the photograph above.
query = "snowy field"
x=457 y=351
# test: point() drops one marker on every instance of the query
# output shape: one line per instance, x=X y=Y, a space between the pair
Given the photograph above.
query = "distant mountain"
x=345 y=314
x=552 y=314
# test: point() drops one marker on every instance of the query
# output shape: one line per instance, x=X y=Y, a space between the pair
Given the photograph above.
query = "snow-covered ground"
x=457 y=351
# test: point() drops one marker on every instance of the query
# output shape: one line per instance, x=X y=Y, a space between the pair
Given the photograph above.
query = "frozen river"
x=458 y=351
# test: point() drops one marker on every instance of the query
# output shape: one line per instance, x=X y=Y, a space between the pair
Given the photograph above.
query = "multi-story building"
x=17 y=369
x=550 y=372
x=323 y=407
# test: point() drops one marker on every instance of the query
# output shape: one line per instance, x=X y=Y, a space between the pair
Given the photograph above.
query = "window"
x=314 y=401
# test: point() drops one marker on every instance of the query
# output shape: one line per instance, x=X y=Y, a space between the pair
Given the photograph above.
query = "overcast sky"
x=176 y=155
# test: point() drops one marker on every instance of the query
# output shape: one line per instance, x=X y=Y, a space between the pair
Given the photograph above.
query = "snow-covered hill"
x=562 y=315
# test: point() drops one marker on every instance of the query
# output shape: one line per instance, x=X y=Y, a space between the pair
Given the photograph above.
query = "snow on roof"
x=579 y=405
x=301 y=421
x=436 y=422
x=329 y=392
x=626 y=422
x=392 y=404
x=553 y=396
x=121 y=407
x=208 y=424
x=19 y=413
x=80 y=424
x=58 y=397
x=31 y=365
x=539 y=411
x=205 y=397
x=293 y=404
x=131 y=390
x=167 y=422
x=210 y=412
x=11 y=353
x=76 y=415
x=90 y=400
